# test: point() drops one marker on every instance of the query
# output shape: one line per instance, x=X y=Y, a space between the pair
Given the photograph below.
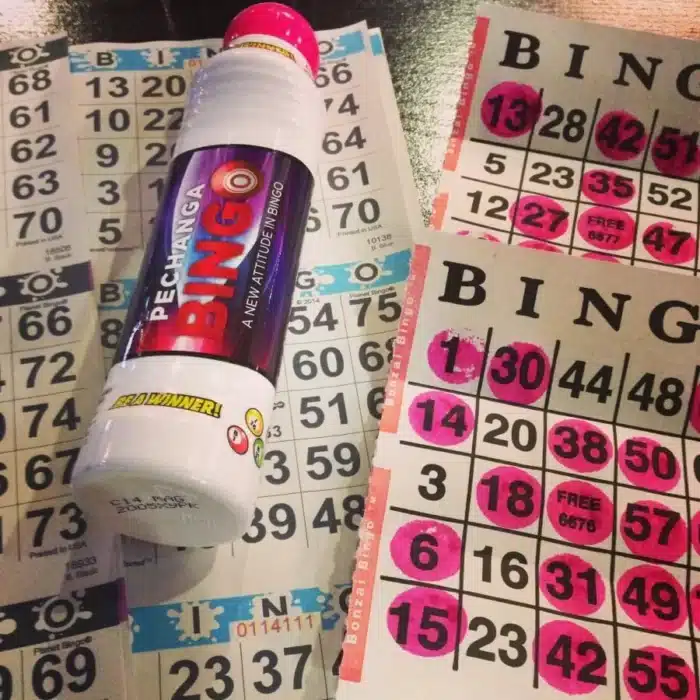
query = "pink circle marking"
x=676 y=154
x=695 y=532
x=571 y=584
x=426 y=550
x=565 y=641
x=519 y=373
x=456 y=356
x=580 y=512
x=695 y=410
x=695 y=606
x=669 y=244
x=606 y=228
x=540 y=217
x=509 y=497
x=441 y=418
x=652 y=529
x=645 y=680
x=648 y=464
x=510 y=109
x=601 y=256
x=407 y=613
x=482 y=236
x=620 y=136
x=540 y=245
x=579 y=445
x=607 y=187
x=642 y=588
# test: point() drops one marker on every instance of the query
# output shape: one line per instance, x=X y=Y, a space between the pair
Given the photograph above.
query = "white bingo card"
x=62 y=603
x=532 y=522
x=266 y=615
x=128 y=105
x=577 y=139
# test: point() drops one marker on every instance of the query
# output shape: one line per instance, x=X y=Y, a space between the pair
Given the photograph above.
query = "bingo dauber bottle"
x=174 y=453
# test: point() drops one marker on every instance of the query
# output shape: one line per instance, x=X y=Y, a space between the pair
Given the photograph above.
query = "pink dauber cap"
x=281 y=22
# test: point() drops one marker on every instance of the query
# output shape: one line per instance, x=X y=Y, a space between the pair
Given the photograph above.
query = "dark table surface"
x=426 y=41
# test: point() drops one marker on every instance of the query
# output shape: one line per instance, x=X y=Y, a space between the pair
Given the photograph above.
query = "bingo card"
x=62 y=605
x=532 y=524
x=265 y=616
x=577 y=139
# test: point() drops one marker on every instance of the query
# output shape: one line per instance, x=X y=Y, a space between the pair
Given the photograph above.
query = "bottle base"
x=169 y=512
x=179 y=466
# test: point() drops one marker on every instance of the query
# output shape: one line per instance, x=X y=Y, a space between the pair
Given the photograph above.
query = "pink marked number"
x=580 y=512
x=648 y=464
x=668 y=244
x=509 y=497
x=571 y=584
x=579 y=445
x=426 y=550
x=655 y=673
x=607 y=187
x=652 y=529
x=456 y=356
x=606 y=228
x=571 y=659
x=519 y=373
x=426 y=622
x=620 y=136
x=676 y=153
x=540 y=217
x=653 y=598
x=510 y=109
x=441 y=418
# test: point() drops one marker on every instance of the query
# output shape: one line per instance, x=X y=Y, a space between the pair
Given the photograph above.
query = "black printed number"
x=313 y=416
x=353 y=508
x=544 y=174
x=60 y=364
x=571 y=126
x=279 y=473
x=50 y=221
x=512 y=568
x=523 y=434
x=303 y=318
x=306 y=364
x=220 y=688
x=51 y=675
x=281 y=516
x=677 y=198
x=338 y=73
x=69 y=514
x=578 y=380
x=345 y=458
x=273 y=677
x=666 y=397
x=26 y=186
x=33 y=324
x=514 y=654
x=496 y=208
x=158 y=86
x=22 y=83
x=434 y=488
x=388 y=309
x=39 y=470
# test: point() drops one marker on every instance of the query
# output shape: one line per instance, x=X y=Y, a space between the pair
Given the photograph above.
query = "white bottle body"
x=174 y=452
